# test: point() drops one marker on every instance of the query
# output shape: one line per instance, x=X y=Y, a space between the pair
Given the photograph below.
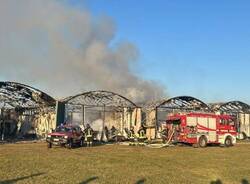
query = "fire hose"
x=171 y=136
x=163 y=145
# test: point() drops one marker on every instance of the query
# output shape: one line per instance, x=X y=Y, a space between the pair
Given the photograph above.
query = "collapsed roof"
x=100 y=99
x=233 y=107
x=20 y=96
x=184 y=103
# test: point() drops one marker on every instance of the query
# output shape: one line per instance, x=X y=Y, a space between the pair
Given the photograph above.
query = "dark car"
x=66 y=135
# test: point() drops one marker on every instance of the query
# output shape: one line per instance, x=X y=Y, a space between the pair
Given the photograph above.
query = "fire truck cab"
x=202 y=129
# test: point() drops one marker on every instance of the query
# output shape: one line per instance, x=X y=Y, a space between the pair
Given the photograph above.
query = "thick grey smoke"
x=64 y=51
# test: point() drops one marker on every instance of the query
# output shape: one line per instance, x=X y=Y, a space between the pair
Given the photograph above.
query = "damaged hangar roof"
x=232 y=107
x=21 y=96
x=179 y=102
x=185 y=103
x=100 y=99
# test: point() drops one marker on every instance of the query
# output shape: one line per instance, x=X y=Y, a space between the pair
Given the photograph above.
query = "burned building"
x=239 y=110
x=24 y=111
x=102 y=110
x=28 y=111
x=156 y=113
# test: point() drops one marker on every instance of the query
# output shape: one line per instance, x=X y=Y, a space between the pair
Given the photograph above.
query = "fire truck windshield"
x=175 y=122
x=227 y=122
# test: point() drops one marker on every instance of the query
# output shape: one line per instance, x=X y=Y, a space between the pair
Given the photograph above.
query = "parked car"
x=66 y=135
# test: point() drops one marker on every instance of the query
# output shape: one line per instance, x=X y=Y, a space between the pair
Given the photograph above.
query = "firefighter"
x=142 y=135
x=131 y=136
x=106 y=132
x=89 y=135
x=113 y=132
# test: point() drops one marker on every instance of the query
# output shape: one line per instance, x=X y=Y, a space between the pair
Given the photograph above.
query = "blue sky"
x=197 y=48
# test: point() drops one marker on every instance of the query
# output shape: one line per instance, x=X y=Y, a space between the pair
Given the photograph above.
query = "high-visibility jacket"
x=131 y=134
x=141 y=133
x=89 y=132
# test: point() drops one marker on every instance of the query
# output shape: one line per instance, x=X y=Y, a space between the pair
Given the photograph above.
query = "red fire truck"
x=201 y=129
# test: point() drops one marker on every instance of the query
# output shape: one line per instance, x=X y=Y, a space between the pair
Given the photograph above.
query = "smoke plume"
x=64 y=51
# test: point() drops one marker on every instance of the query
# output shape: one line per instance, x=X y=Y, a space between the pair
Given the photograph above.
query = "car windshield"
x=62 y=129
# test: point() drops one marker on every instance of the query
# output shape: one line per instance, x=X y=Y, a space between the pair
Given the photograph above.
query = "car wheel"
x=81 y=143
x=203 y=142
x=49 y=145
x=228 y=141
x=70 y=144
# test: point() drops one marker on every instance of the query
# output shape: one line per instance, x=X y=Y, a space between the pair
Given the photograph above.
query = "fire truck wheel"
x=202 y=141
x=228 y=141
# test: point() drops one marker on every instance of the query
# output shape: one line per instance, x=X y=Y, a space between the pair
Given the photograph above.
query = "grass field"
x=34 y=163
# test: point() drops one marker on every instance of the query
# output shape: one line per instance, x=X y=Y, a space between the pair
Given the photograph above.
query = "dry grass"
x=34 y=163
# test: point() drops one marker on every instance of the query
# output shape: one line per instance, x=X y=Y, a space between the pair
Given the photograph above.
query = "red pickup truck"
x=66 y=135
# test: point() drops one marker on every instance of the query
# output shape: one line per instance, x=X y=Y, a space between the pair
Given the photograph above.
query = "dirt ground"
x=35 y=163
